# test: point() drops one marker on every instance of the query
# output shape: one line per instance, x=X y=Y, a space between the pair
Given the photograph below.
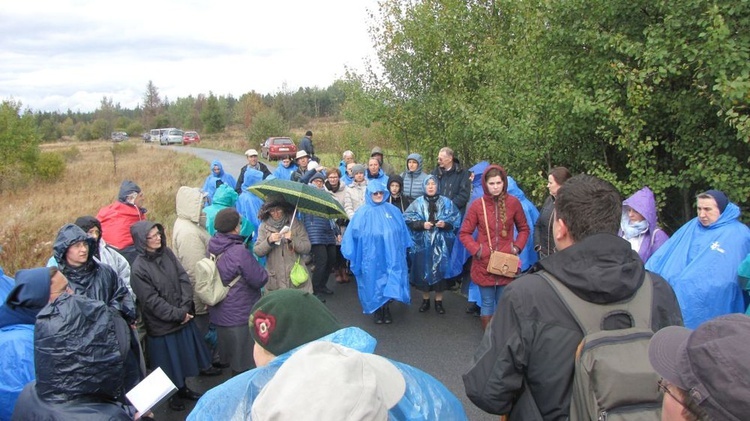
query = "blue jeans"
x=490 y=297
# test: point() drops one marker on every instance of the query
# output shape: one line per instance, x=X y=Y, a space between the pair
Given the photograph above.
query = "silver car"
x=171 y=136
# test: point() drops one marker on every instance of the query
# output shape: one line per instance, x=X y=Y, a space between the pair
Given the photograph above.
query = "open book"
x=151 y=391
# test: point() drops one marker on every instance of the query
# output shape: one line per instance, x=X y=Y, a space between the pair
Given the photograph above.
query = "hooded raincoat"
x=285 y=173
x=80 y=349
x=528 y=255
x=117 y=217
x=414 y=180
x=189 y=238
x=430 y=254
x=248 y=204
x=425 y=397
x=403 y=201
x=375 y=243
x=644 y=203
x=213 y=181
x=700 y=263
x=226 y=197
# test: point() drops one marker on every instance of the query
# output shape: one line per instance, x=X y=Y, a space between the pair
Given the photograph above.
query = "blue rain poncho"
x=284 y=173
x=226 y=197
x=375 y=243
x=700 y=263
x=528 y=256
x=430 y=254
x=248 y=204
x=425 y=397
x=210 y=185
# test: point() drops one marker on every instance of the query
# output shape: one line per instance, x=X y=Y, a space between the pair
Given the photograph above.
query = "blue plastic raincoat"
x=700 y=263
x=528 y=255
x=425 y=398
x=248 y=204
x=375 y=243
x=209 y=186
x=430 y=255
x=226 y=197
x=284 y=173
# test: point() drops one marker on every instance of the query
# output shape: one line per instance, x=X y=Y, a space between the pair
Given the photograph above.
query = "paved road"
x=439 y=345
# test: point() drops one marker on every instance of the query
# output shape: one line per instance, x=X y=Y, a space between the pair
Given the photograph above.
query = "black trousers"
x=324 y=259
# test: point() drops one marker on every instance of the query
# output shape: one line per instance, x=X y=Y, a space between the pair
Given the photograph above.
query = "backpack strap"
x=590 y=316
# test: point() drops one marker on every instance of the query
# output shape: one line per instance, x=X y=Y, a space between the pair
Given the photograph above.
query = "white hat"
x=327 y=381
x=251 y=152
x=300 y=154
x=312 y=165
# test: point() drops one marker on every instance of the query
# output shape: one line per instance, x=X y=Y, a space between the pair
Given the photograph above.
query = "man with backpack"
x=527 y=361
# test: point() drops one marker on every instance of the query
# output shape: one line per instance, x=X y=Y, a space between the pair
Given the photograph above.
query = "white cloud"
x=69 y=54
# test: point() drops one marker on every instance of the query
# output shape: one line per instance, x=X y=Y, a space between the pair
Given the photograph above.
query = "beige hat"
x=251 y=152
x=328 y=381
x=300 y=154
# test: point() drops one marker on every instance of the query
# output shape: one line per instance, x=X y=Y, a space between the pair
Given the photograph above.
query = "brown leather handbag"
x=503 y=264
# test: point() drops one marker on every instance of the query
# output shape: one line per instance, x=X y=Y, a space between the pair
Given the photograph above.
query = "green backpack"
x=613 y=377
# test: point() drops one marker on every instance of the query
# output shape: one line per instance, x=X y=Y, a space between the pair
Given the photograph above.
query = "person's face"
x=94 y=233
x=252 y=160
x=359 y=177
x=333 y=179
x=276 y=214
x=373 y=165
x=412 y=165
x=77 y=254
x=216 y=170
x=349 y=167
x=708 y=211
x=377 y=197
x=495 y=185
x=394 y=188
x=139 y=200
x=444 y=160
x=634 y=216
x=318 y=182
x=58 y=284
x=286 y=162
x=349 y=159
x=153 y=239
x=431 y=188
x=302 y=162
x=671 y=408
x=552 y=185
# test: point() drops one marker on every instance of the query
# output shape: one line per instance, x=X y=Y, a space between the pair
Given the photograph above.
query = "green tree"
x=266 y=123
x=212 y=117
x=152 y=106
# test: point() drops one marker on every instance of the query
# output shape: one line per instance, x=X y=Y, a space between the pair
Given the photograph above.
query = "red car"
x=191 y=137
x=277 y=147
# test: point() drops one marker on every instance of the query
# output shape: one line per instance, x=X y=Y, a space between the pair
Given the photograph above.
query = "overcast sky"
x=69 y=54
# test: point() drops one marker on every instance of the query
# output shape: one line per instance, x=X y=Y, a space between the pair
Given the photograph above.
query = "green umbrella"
x=306 y=198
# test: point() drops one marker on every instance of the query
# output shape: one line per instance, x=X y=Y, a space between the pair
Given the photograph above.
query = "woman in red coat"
x=504 y=214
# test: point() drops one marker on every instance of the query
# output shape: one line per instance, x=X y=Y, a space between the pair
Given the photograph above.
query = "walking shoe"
x=379 y=316
x=220 y=364
x=319 y=297
x=474 y=309
x=176 y=403
x=387 y=315
x=211 y=371
x=186 y=393
x=425 y=305
x=325 y=290
x=439 y=307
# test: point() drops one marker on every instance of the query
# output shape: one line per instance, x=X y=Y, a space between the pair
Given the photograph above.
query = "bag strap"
x=590 y=316
x=486 y=224
x=215 y=258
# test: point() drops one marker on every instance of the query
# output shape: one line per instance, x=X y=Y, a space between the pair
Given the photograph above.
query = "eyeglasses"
x=664 y=388
x=333 y=177
x=378 y=193
x=154 y=237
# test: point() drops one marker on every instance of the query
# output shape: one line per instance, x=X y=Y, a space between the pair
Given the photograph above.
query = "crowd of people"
x=114 y=288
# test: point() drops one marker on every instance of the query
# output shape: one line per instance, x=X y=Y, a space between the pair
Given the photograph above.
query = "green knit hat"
x=287 y=318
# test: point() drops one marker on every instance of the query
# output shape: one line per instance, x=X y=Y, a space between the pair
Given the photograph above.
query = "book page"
x=151 y=391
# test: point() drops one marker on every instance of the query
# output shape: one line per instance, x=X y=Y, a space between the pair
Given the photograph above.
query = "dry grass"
x=32 y=216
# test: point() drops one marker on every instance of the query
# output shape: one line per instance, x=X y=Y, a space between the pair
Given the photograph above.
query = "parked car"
x=277 y=147
x=154 y=135
x=171 y=136
x=119 y=136
x=191 y=137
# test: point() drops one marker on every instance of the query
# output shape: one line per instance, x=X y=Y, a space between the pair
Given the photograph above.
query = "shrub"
x=49 y=166
x=71 y=154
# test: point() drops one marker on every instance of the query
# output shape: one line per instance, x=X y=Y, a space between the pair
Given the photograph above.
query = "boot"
x=439 y=307
x=425 y=306
x=387 y=314
x=379 y=316
x=485 y=321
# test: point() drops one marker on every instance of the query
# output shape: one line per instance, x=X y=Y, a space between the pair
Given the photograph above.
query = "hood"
x=417 y=157
x=27 y=298
x=369 y=176
x=79 y=350
x=127 y=187
x=225 y=196
x=216 y=163
x=396 y=179
x=731 y=213
x=503 y=175
x=139 y=232
x=514 y=190
x=644 y=203
x=476 y=184
x=87 y=222
x=189 y=203
x=424 y=184
x=601 y=268
x=68 y=235
x=252 y=176
x=376 y=186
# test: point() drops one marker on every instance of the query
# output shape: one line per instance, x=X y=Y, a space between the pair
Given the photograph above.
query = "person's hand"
x=338 y=238
x=479 y=253
x=288 y=235
x=440 y=224
x=187 y=318
x=275 y=237
x=428 y=225
x=515 y=249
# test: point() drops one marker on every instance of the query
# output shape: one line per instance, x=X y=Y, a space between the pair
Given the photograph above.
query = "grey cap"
x=376 y=150
x=358 y=168
x=711 y=363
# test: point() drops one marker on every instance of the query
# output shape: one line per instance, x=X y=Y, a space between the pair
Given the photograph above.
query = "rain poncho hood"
x=700 y=263
x=430 y=255
x=225 y=197
x=528 y=255
x=375 y=243
x=68 y=235
x=425 y=397
x=80 y=348
x=27 y=298
x=209 y=186
x=126 y=188
x=643 y=202
x=285 y=173
x=248 y=204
